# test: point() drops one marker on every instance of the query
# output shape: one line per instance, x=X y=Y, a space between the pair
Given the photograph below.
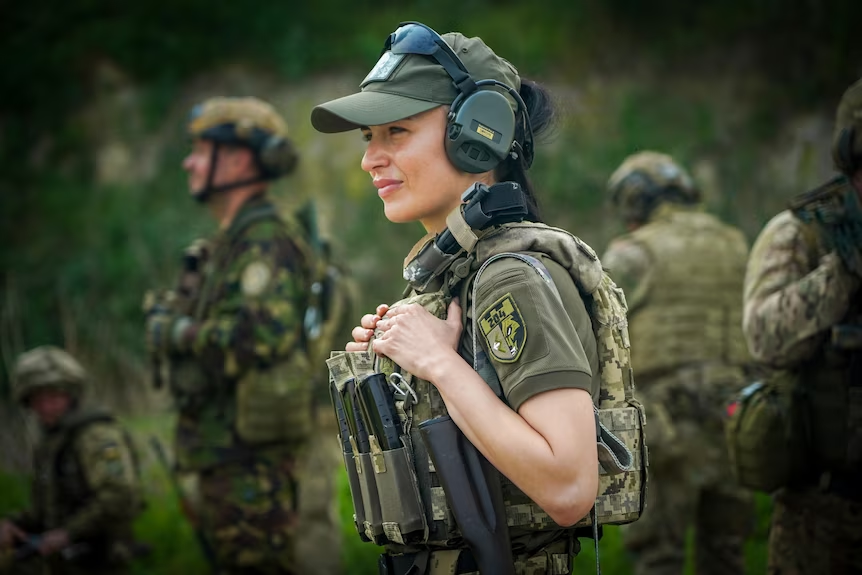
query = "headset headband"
x=417 y=38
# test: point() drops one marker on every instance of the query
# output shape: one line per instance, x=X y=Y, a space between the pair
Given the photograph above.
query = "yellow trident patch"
x=504 y=329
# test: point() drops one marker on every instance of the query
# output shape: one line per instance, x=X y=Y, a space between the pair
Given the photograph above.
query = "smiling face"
x=408 y=164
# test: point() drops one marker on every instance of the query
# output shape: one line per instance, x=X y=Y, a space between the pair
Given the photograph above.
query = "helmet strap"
x=209 y=189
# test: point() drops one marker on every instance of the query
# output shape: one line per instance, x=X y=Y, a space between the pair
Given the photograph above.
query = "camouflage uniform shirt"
x=247 y=324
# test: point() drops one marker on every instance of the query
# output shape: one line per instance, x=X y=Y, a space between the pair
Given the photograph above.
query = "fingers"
x=356 y=346
x=360 y=334
x=369 y=321
x=382 y=309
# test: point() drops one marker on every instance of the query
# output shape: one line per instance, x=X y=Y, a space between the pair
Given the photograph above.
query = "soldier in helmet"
x=803 y=317
x=85 y=492
x=231 y=343
x=682 y=271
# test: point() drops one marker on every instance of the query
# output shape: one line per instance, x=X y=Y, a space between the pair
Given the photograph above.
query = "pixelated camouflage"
x=683 y=272
x=47 y=367
x=645 y=180
x=620 y=492
x=85 y=482
x=847 y=138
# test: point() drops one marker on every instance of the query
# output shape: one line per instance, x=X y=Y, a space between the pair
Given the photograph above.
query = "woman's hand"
x=363 y=332
x=417 y=341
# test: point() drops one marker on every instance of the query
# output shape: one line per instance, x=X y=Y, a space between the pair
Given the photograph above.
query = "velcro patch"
x=255 y=278
x=383 y=69
x=503 y=328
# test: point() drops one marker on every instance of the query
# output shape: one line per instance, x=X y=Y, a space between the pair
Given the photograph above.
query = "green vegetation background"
x=713 y=82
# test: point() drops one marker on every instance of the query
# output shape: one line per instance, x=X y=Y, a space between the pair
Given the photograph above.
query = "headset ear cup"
x=480 y=131
x=278 y=156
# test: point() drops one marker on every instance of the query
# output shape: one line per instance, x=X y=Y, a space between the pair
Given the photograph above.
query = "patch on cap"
x=383 y=69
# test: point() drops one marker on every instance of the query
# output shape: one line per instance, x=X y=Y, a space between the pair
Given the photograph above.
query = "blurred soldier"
x=85 y=491
x=682 y=271
x=803 y=315
x=231 y=342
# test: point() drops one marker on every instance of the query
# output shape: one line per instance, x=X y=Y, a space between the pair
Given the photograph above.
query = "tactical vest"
x=692 y=312
x=59 y=484
x=408 y=507
x=803 y=426
x=225 y=415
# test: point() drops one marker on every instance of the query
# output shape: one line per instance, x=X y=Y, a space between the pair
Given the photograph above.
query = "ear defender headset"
x=481 y=128
x=273 y=153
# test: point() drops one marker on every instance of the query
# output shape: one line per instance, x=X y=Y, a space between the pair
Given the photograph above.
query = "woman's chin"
x=398 y=216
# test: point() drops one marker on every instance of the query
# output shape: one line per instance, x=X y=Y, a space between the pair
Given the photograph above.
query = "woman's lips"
x=386 y=186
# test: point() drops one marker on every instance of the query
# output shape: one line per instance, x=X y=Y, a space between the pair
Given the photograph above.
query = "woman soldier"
x=427 y=112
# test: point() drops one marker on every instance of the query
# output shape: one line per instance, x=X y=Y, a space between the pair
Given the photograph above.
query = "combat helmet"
x=847 y=138
x=646 y=179
x=47 y=367
x=247 y=122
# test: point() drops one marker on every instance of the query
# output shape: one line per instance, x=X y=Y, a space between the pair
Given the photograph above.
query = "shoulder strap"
x=613 y=454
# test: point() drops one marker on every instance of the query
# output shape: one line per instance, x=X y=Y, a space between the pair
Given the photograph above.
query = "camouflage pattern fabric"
x=795 y=292
x=319 y=540
x=243 y=348
x=690 y=479
x=683 y=273
x=814 y=532
x=240 y=375
x=85 y=482
x=248 y=513
x=574 y=267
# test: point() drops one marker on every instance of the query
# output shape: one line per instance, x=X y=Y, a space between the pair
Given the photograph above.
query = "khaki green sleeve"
x=108 y=469
x=527 y=332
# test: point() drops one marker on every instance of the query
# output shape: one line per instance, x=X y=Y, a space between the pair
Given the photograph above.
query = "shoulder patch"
x=503 y=328
x=255 y=278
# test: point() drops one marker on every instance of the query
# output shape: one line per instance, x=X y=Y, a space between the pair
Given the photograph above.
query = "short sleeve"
x=529 y=334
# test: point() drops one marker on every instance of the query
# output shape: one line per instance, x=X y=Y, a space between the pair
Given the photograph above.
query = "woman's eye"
x=366 y=136
x=396 y=130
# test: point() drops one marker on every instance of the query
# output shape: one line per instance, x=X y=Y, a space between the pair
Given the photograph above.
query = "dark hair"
x=543 y=115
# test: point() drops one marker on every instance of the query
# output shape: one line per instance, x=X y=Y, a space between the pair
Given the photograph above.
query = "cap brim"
x=365 y=109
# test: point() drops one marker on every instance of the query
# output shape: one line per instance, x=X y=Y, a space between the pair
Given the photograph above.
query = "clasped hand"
x=410 y=336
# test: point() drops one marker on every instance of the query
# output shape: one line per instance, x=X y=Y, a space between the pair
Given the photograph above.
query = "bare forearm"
x=559 y=482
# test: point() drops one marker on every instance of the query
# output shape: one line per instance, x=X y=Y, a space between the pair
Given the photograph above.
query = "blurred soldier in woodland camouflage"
x=682 y=271
x=85 y=491
x=803 y=316
x=233 y=344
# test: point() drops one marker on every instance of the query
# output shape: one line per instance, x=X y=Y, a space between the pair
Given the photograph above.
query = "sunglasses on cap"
x=417 y=38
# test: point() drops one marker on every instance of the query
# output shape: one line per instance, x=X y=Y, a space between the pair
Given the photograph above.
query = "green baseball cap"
x=403 y=85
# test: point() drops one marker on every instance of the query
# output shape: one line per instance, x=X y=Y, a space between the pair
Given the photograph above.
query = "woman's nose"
x=374 y=157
